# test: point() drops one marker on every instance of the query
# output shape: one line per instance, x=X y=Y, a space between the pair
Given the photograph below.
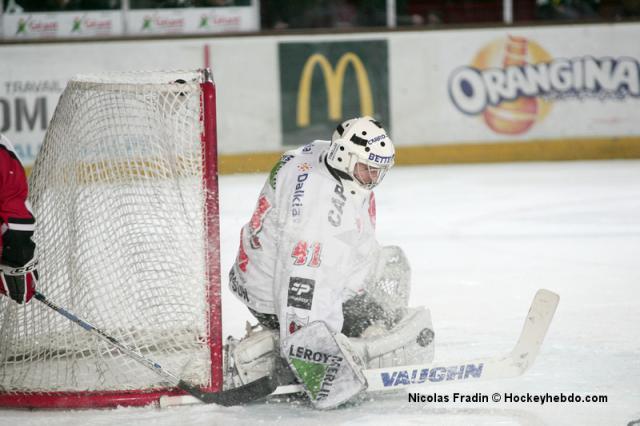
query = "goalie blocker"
x=330 y=365
x=326 y=364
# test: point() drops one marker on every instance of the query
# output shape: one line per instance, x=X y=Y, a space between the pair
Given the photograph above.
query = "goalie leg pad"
x=410 y=341
x=326 y=364
x=252 y=357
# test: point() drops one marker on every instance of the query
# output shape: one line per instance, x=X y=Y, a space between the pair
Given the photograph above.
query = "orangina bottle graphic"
x=513 y=117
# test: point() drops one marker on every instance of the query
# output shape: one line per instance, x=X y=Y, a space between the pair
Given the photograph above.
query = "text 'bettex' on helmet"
x=361 y=149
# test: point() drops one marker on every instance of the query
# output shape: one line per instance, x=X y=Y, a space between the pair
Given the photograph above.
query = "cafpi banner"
x=324 y=83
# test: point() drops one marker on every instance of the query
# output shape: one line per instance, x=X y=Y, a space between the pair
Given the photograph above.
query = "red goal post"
x=125 y=195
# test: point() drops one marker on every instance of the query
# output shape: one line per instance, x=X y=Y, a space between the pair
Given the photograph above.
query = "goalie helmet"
x=361 y=152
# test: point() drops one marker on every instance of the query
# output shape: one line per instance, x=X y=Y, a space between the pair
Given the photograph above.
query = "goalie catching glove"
x=18 y=275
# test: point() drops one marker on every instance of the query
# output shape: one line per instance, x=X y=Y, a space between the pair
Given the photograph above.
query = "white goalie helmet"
x=361 y=149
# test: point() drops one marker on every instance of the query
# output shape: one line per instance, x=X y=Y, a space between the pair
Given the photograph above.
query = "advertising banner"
x=192 y=20
x=324 y=83
x=26 y=106
x=26 y=26
x=519 y=84
x=546 y=88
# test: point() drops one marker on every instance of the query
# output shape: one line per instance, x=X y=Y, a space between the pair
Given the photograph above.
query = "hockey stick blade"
x=512 y=365
x=255 y=390
x=241 y=395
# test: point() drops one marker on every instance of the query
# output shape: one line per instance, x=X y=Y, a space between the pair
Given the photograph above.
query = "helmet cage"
x=361 y=149
x=366 y=173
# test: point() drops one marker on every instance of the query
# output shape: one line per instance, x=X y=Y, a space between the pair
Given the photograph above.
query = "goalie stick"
x=240 y=395
x=511 y=365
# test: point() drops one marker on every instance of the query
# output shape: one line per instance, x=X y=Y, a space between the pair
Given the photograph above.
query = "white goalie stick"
x=513 y=364
x=521 y=357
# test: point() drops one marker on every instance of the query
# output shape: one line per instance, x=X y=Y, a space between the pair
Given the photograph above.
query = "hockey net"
x=124 y=191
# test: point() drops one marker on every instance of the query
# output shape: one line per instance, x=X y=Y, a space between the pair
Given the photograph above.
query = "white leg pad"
x=411 y=341
x=255 y=356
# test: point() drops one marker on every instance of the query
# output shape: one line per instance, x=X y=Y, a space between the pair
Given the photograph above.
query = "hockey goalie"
x=330 y=301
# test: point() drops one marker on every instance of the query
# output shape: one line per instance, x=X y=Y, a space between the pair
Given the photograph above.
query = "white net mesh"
x=117 y=192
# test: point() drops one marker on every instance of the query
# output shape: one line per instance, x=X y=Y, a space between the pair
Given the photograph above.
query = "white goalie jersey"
x=309 y=245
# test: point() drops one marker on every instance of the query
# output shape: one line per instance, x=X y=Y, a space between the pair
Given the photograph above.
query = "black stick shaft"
x=246 y=393
x=172 y=378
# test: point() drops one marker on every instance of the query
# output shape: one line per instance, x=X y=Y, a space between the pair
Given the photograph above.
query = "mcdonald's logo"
x=334 y=81
x=325 y=83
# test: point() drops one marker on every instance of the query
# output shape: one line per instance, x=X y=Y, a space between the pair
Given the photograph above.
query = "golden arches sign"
x=334 y=81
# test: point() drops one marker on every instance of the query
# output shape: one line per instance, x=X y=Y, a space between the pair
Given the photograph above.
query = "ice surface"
x=481 y=239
